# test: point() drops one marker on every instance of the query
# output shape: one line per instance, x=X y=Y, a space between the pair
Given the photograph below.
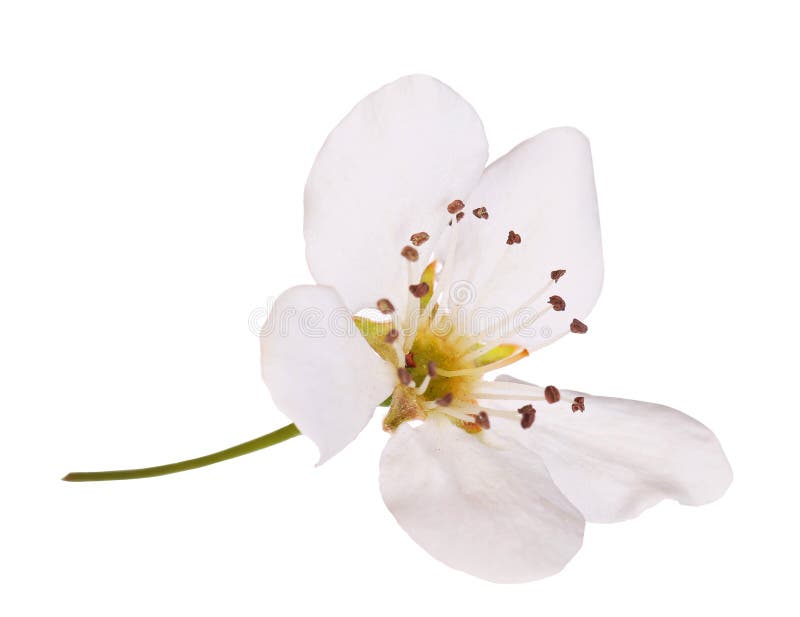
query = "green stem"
x=259 y=443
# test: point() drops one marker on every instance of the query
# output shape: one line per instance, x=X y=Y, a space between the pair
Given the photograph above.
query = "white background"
x=153 y=162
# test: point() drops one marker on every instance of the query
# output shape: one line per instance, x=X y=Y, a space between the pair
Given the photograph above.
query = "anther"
x=551 y=394
x=557 y=274
x=432 y=368
x=481 y=213
x=455 y=206
x=391 y=336
x=459 y=216
x=482 y=420
x=410 y=360
x=410 y=253
x=578 y=327
x=385 y=307
x=513 y=238
x=404 y=376
x=445 y=400
x=420 y=238
x=578 y=405
x=557 y=302
x=527 y=419
x=419 y=290
x=528 y=416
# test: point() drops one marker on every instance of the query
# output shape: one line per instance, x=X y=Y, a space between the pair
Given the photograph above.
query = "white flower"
x=466 y=265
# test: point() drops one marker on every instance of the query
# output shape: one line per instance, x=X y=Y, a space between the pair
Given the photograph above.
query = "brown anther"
x=557 y=274
x=432 y=368
x=455 y=206
x=513 y=238
x=578 y=405
x=404 y=376
x=410 y=360
x=578 y=327
x=385 y=307
x=526 y=409
x=551 y=394
x=526 y=421
x=558 y=303
x=459 y=216
x=391 y=336
x=420 y=238
x=410 y=253
x=482 y=420
x=419 y=290
x=445 y=400
x=481 y=213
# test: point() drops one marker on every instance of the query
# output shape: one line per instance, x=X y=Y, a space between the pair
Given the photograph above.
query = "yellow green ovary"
x=428 y=347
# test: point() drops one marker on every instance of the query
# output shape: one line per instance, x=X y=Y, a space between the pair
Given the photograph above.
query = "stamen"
x=557 y=302
x=479 y=370
x=578 y=404
x=446 y=400
x=533 y=318
x=557 y=274
x=404 y=376
x=528 y=416
x=482 y=420
x=410 y=360
x=445 y=275
x=410 y=253
x=481 y=213
x=455 y=206
x=459 y=216
x=419 y=290
x=499 y=327
x=509 y=389
x=391 y=336
x=551 y=394
x=578 y=327
x=506 y=397
x=398 y=351
x=449 y=411
x=385 y=307
x=472 y=410
x=423 y=386
x=513 y=238
x=431 y=369
x=420 y=238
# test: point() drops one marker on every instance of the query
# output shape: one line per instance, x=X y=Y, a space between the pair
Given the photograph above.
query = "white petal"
x=388 y=170
x=319 y=369
x=620 y=457
x=487 y=508
x=544 y=191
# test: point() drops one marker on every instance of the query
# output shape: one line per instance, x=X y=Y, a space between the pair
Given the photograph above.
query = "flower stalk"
x=259 y=443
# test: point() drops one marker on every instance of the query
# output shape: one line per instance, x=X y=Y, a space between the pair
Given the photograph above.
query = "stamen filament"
x=401 y=356
x=497 y=413
x=479 y=370
x=506 y=397
x=423 y=386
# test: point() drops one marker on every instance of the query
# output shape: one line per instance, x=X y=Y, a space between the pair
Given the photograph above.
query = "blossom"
x=434 y=270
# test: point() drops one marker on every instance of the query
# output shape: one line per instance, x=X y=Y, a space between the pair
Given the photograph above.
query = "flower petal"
x=385 y=172
x=483 y=505
x=319 y=369
x=620 y=457
x=544 y=191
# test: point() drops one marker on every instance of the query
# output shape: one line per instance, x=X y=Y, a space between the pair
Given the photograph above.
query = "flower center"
x=441 y=361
